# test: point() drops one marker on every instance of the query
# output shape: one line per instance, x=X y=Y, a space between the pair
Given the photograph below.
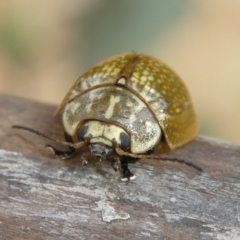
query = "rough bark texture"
x=42 y=197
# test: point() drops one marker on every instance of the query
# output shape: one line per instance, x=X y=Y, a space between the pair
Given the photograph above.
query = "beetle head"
x=101 y=138
x=99 y=150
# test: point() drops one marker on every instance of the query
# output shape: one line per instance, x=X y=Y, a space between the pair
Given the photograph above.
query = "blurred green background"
x=46 y=45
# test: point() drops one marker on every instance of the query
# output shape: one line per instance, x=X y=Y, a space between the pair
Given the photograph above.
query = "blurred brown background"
x=46 y=45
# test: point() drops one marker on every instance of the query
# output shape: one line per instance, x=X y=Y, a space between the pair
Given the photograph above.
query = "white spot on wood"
x=109 y=213
x=147 y=234
x=154 y=214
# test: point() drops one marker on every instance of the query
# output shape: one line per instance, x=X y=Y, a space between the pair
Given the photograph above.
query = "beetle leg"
x=63 y=154
x=150 y=151
x=127 y=175
x=116 y=164
x=84 y=159
x=123 y=160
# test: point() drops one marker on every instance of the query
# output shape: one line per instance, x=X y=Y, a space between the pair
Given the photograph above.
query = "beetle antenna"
x=74 y=145
x=172 y=159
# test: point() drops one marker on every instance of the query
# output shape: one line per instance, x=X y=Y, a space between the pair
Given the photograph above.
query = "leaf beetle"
x=122 y=108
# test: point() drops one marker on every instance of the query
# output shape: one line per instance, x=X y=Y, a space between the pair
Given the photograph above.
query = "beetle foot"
x=84 y=159
x=116 y=165
x=127 y=175
x=62 y=154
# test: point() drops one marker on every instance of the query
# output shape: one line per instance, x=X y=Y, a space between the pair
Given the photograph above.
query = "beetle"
x=122 y=108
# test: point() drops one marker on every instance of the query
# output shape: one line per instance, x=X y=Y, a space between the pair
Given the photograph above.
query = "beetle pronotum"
x=121 y=109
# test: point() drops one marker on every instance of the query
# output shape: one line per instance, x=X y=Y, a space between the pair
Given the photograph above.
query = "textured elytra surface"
x=151 y=80
x=42 y=197
x=117 y=106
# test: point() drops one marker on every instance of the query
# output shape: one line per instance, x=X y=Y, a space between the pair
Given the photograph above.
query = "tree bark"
x=43 y=197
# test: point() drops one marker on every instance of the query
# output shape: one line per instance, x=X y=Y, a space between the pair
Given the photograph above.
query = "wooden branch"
x=42 y=197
